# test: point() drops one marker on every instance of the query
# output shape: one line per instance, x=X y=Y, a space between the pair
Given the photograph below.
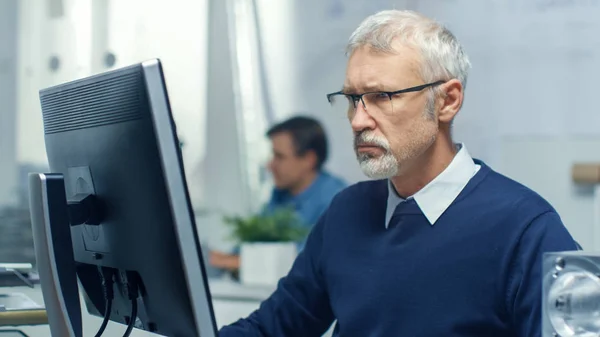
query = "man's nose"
x=360 y=119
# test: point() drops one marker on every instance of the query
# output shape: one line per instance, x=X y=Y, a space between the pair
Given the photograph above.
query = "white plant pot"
x=264 y=263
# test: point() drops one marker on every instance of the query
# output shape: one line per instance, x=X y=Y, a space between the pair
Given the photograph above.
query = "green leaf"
x=282 y=225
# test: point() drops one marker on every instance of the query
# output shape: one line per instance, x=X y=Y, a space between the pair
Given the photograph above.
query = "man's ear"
x=311 y=159
x=451 y=100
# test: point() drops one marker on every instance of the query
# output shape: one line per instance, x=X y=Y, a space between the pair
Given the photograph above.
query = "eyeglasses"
x=376 y=101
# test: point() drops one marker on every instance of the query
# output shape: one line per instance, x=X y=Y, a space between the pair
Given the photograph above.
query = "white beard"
x=389 y=164
x=382 y=167
x=377 y=167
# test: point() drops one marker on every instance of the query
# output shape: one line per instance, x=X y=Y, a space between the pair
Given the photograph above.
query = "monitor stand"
x=51 y=227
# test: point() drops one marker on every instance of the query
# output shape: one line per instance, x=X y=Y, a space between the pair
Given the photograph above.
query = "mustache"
x=367 y=138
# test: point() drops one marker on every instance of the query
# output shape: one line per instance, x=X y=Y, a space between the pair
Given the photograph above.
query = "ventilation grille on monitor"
x=102 y=101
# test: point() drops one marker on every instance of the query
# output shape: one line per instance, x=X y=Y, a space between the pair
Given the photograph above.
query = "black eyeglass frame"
x=359 y=97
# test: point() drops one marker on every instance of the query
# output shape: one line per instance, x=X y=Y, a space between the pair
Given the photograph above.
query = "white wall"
x=46 y=32
x=176 y=32
x=544 y=164
x=530 y=109
x=530 y=93
x=173 y=31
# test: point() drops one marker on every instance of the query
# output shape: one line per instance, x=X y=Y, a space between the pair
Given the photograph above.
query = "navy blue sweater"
x=475 y=273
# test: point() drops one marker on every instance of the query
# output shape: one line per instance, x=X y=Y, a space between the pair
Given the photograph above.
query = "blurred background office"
x=235 y=68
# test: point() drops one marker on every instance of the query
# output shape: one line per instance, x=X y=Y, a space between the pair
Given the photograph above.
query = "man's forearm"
x=242 y=328
x=225 y=261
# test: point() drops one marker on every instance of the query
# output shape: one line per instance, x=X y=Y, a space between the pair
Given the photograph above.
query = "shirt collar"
x=438 y=195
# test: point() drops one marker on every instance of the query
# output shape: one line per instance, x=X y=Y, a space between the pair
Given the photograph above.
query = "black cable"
x=132 y=319
x=107 y=310
x=107 y=286
x=131 y=285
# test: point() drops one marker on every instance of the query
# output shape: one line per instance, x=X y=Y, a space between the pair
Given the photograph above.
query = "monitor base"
x=54 y=253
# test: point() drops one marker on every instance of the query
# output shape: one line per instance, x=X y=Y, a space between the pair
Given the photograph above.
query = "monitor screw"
x=97 y=256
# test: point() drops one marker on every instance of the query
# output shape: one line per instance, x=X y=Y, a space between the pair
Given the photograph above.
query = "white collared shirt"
x=438 y=195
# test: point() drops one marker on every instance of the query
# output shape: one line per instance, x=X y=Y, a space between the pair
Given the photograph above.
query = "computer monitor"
x=114 y=212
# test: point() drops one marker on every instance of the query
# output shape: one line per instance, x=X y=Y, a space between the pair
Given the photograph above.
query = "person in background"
x=299 y=153
x=300 y=150
x=440 y=244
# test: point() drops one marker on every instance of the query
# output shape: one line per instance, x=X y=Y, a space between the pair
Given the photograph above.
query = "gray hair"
x=443 y=56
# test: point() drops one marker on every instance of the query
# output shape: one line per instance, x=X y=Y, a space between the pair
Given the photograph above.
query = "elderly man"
x=441 y=245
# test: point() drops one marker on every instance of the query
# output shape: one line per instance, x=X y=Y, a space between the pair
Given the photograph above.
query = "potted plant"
x=268 y=245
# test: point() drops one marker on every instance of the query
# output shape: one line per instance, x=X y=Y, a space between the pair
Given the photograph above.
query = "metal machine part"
x=571 y=294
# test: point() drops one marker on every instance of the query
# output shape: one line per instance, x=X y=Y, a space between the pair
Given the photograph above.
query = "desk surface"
x=225 y=289
x=227 y=296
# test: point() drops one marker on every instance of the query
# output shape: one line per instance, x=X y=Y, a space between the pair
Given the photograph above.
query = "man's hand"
x=220 y=260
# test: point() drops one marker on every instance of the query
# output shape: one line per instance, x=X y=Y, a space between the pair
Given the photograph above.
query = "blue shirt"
x=310 y=203
x=476 y=272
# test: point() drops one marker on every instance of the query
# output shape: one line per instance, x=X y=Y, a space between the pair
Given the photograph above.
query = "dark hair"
x=307 y=135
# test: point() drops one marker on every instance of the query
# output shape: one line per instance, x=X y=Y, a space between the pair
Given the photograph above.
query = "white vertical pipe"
x=100 y=31
x=249 y=97
x=9 y=35
x=277 y=24
x=30 y=138
x=61 y=34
